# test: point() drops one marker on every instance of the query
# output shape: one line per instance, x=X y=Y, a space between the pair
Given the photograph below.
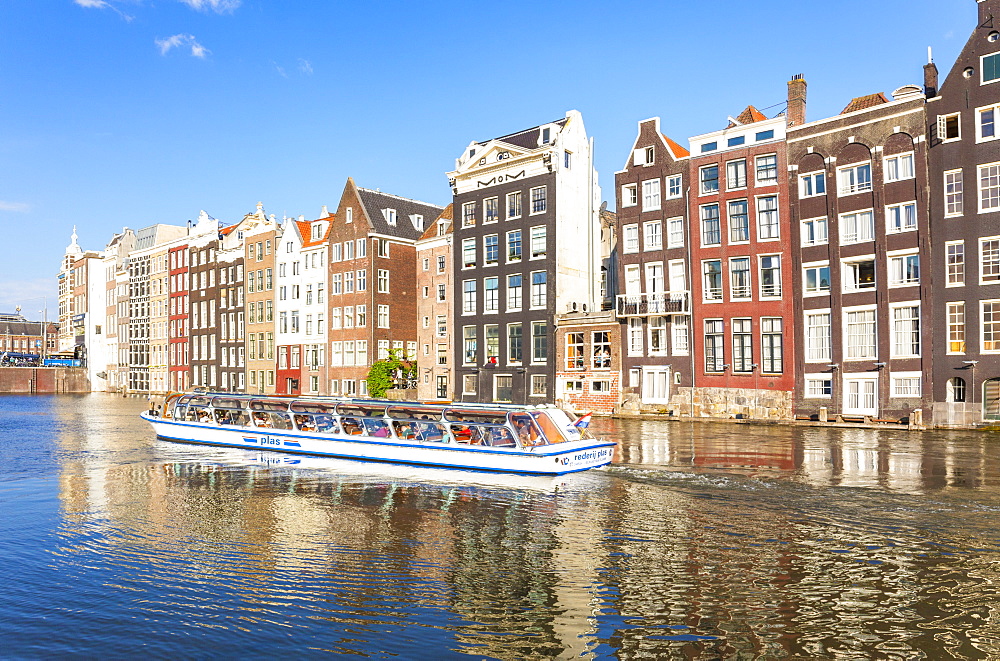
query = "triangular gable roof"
x=528 y=138
x=862 y=102
x=675 y=149
x=373 y=202
x=749 y=116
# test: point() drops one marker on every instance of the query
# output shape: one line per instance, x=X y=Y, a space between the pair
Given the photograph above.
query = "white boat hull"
x=555 y=459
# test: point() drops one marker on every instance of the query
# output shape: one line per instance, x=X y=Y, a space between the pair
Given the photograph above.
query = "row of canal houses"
x=775 y=267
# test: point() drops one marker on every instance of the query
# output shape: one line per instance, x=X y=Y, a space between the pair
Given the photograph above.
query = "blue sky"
x=121 y=113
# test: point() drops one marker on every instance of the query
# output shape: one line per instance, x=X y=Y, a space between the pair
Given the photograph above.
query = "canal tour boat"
x=539 y=440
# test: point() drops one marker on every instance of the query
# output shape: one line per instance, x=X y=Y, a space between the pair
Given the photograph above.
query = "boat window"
x=549 y=428
x=268 y=405
x=361 y=410
x=420 y=430
x=413 y=413
x=304 y=422
x=180 y=412
x=198 y=400
x=312 y=407
x=528 y=432
x=272 y=420
x=482 y=417
x=227 y=403
x=326 y=423
x=199 y=414
x=352 y=426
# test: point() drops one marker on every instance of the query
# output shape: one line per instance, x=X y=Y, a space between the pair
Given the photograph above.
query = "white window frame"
x=816 y=377
x=872 y=346
x=767 y=181
x=701 y=180
x=630 y=195
x=894 y=382
x=982 y=69
x=897 y=263
x=813 y=266
x=954 y=199
x=652 y=235
x=893 y=346
x=779 y=284
x=942 y=127
x=907 y=222
x=995 y=167
x=959 y=280
x=994 y=279
x=982 y=327
x=630 y=238
x=825 y=349
x=813 y=223
x=853 y=188
x=651 y=194
x=859 y=236
x=775 y=227
x=674 y=181
x=850 y=284
x=899 y=160
x=812 y=177
x=955 y=325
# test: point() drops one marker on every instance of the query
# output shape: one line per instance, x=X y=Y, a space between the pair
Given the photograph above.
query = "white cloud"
x=180 y=41
x=280 y=69
x=13 y=206
x=305 y=67
x=218 y=6
x=102 y=4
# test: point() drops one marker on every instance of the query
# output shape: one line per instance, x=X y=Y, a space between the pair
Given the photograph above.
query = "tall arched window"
x=956 y=389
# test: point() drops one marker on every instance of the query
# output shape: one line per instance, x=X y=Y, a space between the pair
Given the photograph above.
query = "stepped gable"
x=375 y=201
x=862 y=102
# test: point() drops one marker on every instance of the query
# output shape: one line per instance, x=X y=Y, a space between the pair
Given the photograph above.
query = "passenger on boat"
x=222 y=417
x=203 y=416
x=377 y=428
x=405 y=431
x=525 y=430
x=326 y=423
x=431 y=432
x=462 y=433
x=261 y=419
x=304 y=423
x=351 y=427
x=500 y=438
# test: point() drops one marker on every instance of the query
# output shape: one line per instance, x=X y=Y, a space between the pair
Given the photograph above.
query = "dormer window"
x=418 y=221
x=390 y=216
x=472 y=152
x=317 y=231
x=442 y=227
x=546 y=135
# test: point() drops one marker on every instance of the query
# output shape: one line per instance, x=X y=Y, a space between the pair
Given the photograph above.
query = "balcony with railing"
x=645 y=305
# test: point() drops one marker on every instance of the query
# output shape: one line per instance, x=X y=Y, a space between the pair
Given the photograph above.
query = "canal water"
x=703 y=541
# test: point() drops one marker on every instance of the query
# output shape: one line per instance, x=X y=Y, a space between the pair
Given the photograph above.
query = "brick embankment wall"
x=731 y=403
x=43 y=380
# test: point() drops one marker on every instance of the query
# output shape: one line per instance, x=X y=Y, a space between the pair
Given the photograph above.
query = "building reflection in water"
x=680 y=549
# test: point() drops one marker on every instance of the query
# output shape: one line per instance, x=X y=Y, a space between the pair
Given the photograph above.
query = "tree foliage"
x=393 y=372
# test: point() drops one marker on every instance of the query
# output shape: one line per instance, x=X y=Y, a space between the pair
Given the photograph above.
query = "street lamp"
x=972 y=365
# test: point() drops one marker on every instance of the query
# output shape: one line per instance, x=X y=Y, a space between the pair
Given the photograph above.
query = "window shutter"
x=639 y=157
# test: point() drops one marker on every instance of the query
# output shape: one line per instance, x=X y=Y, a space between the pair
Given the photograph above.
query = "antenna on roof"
x=930 y=58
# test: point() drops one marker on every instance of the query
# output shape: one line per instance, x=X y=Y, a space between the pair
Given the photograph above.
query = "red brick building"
x=588 y=361
x=741 y=264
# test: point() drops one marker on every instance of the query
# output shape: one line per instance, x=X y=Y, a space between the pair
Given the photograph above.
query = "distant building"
x=589 y=360
x=261 y=236
x=526 y=246
x=435 y=298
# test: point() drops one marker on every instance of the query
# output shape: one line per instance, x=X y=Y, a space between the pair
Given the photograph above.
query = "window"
x=708 y=178
x=812 y=184
x=989 y=187
x=574 y=351
x=675 y=232
x=814 y=232
x=949 y=127
x=901 y=218
x=361 y=280
x=742 y=345
x=362 y=316
x=680 y=339
x=442 y=354
x=468 y=297
x=904 y=270
x=955 y=263
x=736 y=141
x=468 y=214
x=362 y=245
x=492 y=332
x=770 y=345
x=767 y=169
x=714 y=352
x=491 y=210
x=491 y=249
x=513 y=293
x=426 y=264
x=712 y=279
x=635 y=336
x=514 y=205
x=818 y=337
x=956 y=327
x=711 y=232
x=601 y=349
x=651 y=194
x=630 y=195
x=736 y=174
x=538 y=289
x=348 y=250
x=440 y=264
x=349 y=215
x=906 y=331
x=491 y=292
x=709 y=146
x=514 y=246
x=469 y=384
x=538 y=199
x=905 y=384
x=767 y=217
x=674 y=183
x=383 y=349
x=854 y=179
x=859 y=327
x=537 y=242
x=470 y=345
x=739 y=277
x=989 y=260
x=631 y=233
x=468 y=253
x=816 y=279
x=514 y=344
x=442 y=293
x=739 y=222
x=383 y=281
x=953 y=193
x=653 y=239
x=383 y=316
x=990 y=66
x=956 y=389
x=818 y=386
x=990 y=326
x=859 y=274
x=857 y=227
x=383 y=247
x=657 y=326
x=898 y=167
x=764 y=135
x=539 y=385
x=770 y=276
x=539 y=342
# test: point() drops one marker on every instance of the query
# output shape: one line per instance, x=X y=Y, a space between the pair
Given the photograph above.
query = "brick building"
x=261 y=236
x=588 y=361
x=434 y=309
x=179 y=374
x=372 y=276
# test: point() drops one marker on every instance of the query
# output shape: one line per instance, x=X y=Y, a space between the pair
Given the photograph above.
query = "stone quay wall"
x=43 y=380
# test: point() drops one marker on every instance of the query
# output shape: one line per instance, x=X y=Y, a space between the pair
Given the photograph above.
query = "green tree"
x=392 y=372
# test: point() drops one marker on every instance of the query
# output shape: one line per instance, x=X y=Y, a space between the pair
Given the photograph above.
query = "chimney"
x=930 y=76
x=324 y=212
x=796 y=112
